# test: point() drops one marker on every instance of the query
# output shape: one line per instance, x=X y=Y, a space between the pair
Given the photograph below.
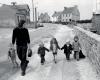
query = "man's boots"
x=24 y=66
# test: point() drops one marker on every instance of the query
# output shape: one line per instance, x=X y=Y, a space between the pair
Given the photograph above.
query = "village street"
x=63 y=70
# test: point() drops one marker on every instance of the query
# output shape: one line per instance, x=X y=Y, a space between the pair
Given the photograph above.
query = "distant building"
x=40 y=18
x=56 y=17
x=10 y=15
x=96 y=21
x=44 y=17
x=67 y=15
x=70 y=14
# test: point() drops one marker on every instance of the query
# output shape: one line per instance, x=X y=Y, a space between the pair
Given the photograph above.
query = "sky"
x=86 y=7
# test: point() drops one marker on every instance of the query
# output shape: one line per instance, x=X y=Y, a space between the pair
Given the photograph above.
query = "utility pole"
x=35 y=17
x=33 y=9
x=96 y=5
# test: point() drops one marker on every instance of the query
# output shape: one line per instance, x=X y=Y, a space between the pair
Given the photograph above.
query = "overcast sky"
x=86 y=7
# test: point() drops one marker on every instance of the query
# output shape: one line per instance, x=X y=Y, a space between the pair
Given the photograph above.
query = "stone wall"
x=90 y=43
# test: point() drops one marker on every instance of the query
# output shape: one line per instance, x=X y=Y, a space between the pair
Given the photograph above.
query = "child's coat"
x=41 y=50
x=67 y=48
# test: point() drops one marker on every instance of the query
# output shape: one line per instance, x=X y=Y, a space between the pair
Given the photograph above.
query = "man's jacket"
x=20 y=36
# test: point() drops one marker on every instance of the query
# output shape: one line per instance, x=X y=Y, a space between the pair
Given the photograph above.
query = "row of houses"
x=68 y=14
x=10 y=15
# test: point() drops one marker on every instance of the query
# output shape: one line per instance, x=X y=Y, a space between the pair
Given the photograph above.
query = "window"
x=65 y=15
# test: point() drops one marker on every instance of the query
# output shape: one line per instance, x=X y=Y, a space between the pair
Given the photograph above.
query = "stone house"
x=70 y=14
x=67 y=15
x=10 y=15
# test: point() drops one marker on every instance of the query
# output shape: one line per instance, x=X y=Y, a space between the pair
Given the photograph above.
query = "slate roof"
x=21 y=7
x=18 y=9
x=56 y=14
x=74 y=10
x=68 y=10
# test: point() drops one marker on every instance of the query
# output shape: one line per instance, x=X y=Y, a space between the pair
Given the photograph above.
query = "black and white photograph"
x=49 y=39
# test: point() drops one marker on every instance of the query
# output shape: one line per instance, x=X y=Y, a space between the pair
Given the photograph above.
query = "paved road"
x=63 y=70
x=6 y=70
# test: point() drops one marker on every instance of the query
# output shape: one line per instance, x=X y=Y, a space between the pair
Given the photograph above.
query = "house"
x=23 y=12
x=56 y=16
x=44 y=17
x=40 y=18
x=70 y=14
x=10 y=15
x=67 y=15
x=96 y=22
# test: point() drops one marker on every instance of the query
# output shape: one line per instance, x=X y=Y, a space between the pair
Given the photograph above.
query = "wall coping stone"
x=90 y=34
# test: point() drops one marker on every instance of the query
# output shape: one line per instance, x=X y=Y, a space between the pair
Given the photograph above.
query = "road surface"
x=63 y=70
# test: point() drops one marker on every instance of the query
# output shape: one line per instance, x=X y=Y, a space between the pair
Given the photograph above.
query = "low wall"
x=90 y=43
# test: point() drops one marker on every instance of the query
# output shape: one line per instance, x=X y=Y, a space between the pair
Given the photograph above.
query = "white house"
x=70 y=14
x=67 y=15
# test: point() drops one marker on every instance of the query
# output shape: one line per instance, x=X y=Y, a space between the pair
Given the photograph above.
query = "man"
x=22 y=39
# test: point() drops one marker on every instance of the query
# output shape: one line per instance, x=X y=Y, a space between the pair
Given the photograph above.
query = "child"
x=67 y=50
x=54 y=47
x=41 y=52
x=76 y=47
